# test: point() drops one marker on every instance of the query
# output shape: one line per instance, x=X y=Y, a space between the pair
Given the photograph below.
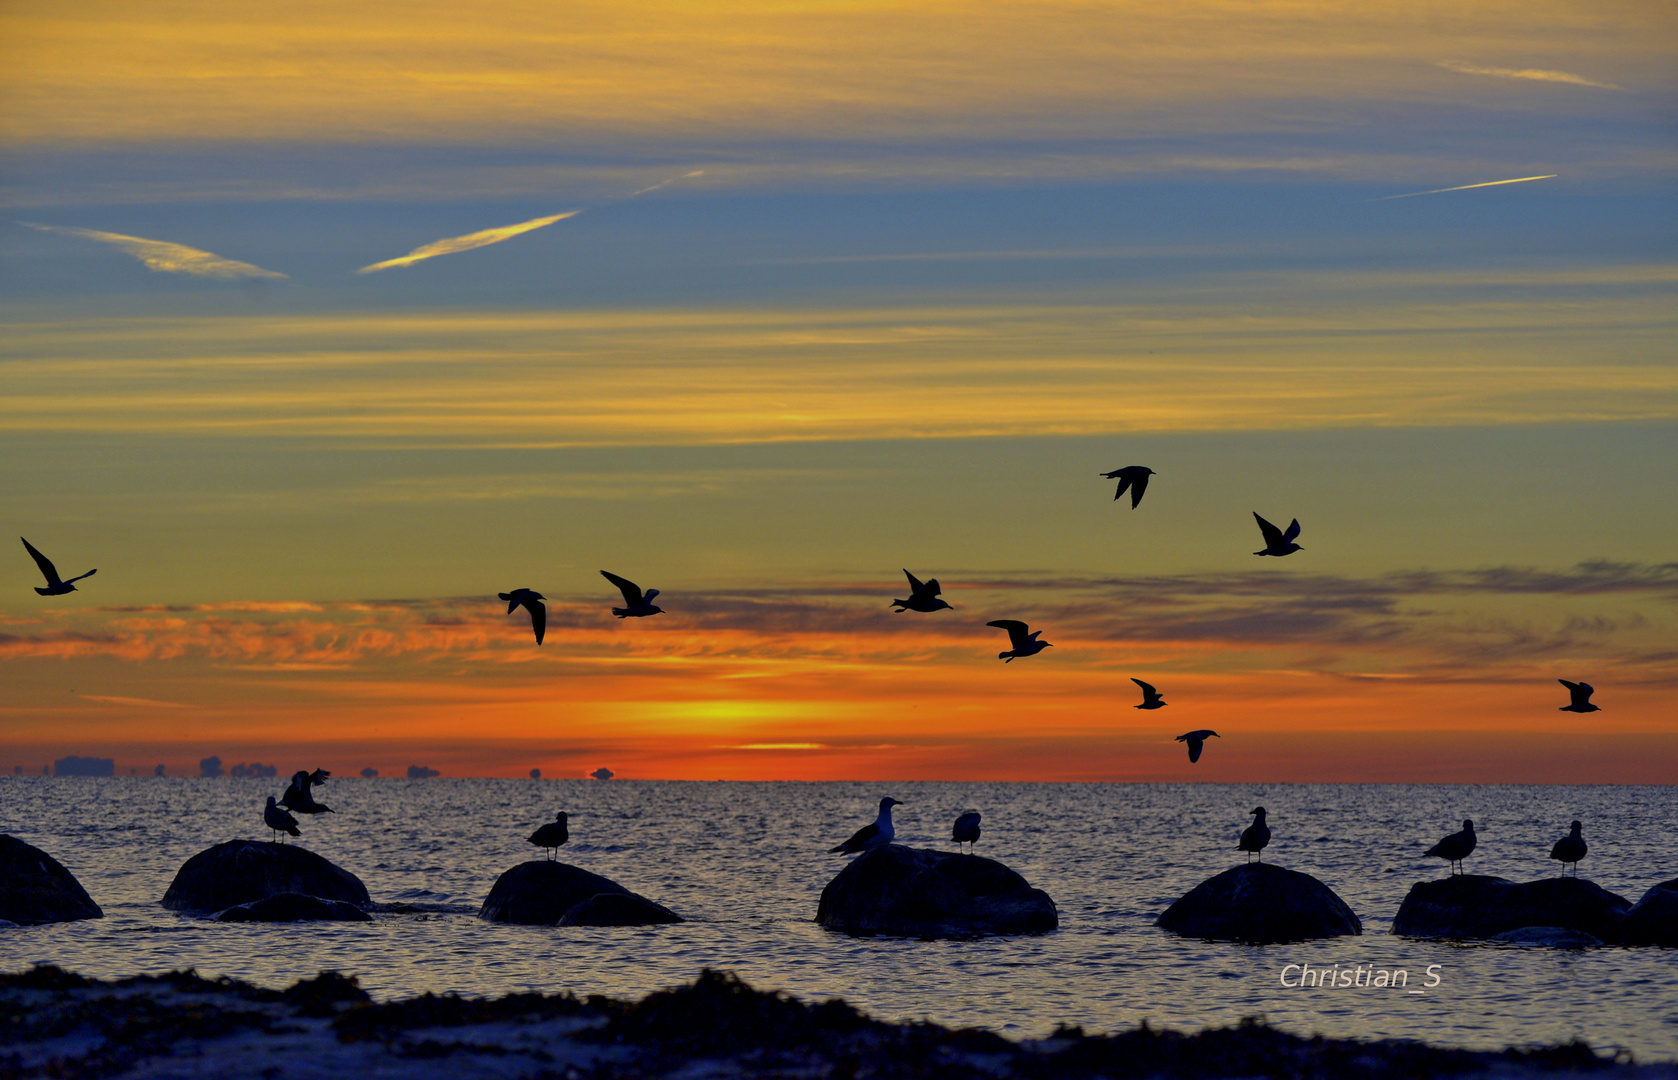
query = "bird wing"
x=44 y=563
x=1148 y=691
x=859 y=838
x=933 y=588
x=1137 y=489
x=1195 y=746
x=1272 y=535
x=319 y=776
x=1124 y=482
x=1585 y=691
x=631 y=591
x=1017 y=630
x=1572 y=687
x=512 y=601
x=538 y=618
x=915 y=585
x=1293 y=532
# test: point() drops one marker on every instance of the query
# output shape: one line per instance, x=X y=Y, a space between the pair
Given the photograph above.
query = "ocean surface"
x=746 y=862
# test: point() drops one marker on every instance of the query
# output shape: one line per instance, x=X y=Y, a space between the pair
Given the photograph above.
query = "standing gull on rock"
x=1277 y=542
x=532 y=602
x=1456 y=847
x=923 y=596
x=966 y=829
x=298 y=797
x=637 y=604
x=1255 y=837
x=872 y=836
x=1151 y=698
x=1134 y=477
x=277 y=820
x=1196 y=740
x=1570 y=849
x=1581 y=692
x=56 y=586
x=1025 y=644
x=552 y=835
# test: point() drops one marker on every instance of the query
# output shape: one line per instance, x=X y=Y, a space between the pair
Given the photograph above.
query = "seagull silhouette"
x=56 y=586
x=1196 y=741
x=637 y=604
x=1150 y=696
x=1134 y=477
x=1277 y=542
x=1025 y=644
x=1581 y=692
x=1570 y=849
x=869 y=837
x=1456 y=847
x=552 y=835
x=966 y=829
x=298 y=797
x=1255 y=837
x=923 y=596
x=278 y=820
x=531 y=600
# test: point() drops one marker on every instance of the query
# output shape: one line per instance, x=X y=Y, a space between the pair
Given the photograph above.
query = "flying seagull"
x=1277 y=542
x=1570 y=849
x=552 y=835
x=1456 y=847
x=1255 y=836
x=873 y=836
x=637 y=604
x=298 y=797
x=1150 y=696
x=1196 y=740
x=1134 y=477
x=56 y=586
x=531 y=600
x=277 y=820
x=1024 y=644
x=923 y=596
x=1581 y=692
x=966 y=829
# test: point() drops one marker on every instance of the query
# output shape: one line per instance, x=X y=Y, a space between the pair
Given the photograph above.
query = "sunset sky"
x=325 y=323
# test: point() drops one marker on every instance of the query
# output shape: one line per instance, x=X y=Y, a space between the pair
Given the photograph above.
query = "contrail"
x=163 y=256
x=1465 y=187
x=665 y=183
x=466 y=243
x=1538 y=74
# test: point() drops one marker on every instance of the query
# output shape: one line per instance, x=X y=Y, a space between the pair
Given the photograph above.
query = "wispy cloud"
x=164 y=256
x=455 y=244
x=1467 y=187
x=1537 y=74
x=666 y=183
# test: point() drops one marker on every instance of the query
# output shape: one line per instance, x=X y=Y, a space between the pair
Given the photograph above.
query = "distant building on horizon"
x=254 y=769
x=603 y=773
x=84 y=766
x=210 y=766
x=421 y=772
x=369 y=772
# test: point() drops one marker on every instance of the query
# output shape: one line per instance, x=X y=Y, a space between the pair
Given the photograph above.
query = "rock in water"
x=1477 y=906
x=545 y=893
x=294 y=907
x=912 y=892
x=1260 y=902
x=1653 y=920
x=241 y=871
x=35 y=888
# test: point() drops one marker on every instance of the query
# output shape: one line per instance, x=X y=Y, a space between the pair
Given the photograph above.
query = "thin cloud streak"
x=455 y=244
x=1537 y=74
x=1468 y=187
x=164 y=256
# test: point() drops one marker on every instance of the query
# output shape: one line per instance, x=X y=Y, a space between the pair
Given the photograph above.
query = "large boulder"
x=1260 y=902
x=35 y=887
x=545 y=893
x=294 y=907
x=241 y=871
x=1474 y=906
x=913 y=892
x=1653 y=920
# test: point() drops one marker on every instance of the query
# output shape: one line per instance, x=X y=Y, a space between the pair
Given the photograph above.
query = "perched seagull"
x=531 y=600
x=1570 y=849
x=298 y=797
x=1134 y=477
x=1024 y=644
x=1255 y=836
x=1581 y=692
x=1196 y=740
x=638 y=605
x=873 y=836
x=1150 y=696
x=277 y=820
x=923 y=596
x=1456 y=847
x=552 y=835
x=966 y=829
x=1277 y=542
x=56 y=586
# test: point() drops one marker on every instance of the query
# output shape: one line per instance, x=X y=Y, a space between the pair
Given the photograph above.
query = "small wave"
x=438 y=908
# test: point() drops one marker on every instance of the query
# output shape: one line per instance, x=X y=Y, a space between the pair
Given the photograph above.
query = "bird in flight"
x=531 y=600
x=1456 y=847
x=1255 y=837
x=1581 y=692
x=298 y=797
x=552 y=835
x=1024 y=644
x=56 y=586
x=1134 y=477
x=1277 y=542
x=1197 y=741
x=637 y=605
x=1150 y=696
x=869 y=837
x=278 y=820
x=923 y=596
x=966 y=829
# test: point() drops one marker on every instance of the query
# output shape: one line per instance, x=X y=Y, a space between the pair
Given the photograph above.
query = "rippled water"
x=746 y=863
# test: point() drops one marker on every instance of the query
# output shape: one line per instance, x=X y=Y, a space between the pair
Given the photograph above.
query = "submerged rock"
x=912 y=892
x=544 y=893
x=1477 y=906
x=1260 y=902
x=294 y=907
x=1653 y=920
x=241 y=871
x=35 y=887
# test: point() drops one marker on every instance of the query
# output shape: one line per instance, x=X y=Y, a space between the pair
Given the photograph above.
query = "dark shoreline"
x=55 y=1023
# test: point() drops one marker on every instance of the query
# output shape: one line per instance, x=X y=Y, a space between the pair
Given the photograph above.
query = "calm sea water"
x=746 y=863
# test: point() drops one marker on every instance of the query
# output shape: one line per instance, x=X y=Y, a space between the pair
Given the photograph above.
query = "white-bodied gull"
x=1570 y=849
x=1196 y=741
x=1024 y=643
x=966 y=829
x=277 y=820
x=1150 y=697
x=872 y=836
x=1255 y=837
x=552 y=835
x=56 y=586
x=1277 y=542
x=638 y=605
x=923 y=596
x=1581 y=692
x=531 y=601
x=1134 y=477
x=1456 y=847
x=298 y=797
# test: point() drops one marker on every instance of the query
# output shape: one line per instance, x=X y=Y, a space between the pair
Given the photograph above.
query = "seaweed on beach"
x=384 y=1022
